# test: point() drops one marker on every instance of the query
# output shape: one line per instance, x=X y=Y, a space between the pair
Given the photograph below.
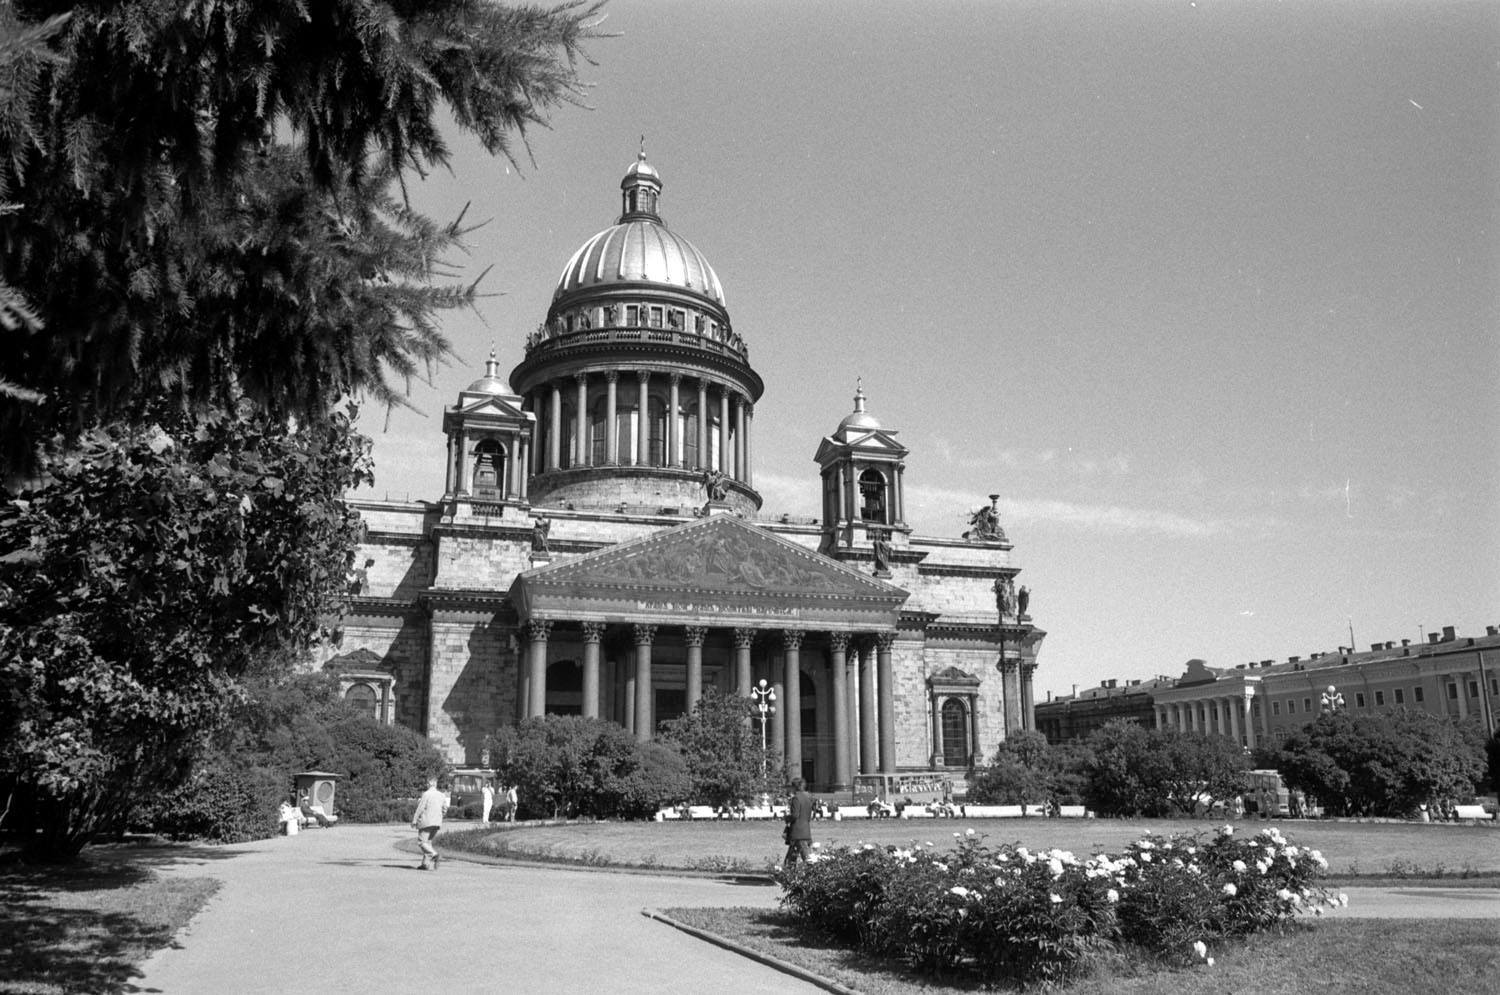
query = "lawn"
x=1366 y=956
x=1366 y=850
x=86 y=927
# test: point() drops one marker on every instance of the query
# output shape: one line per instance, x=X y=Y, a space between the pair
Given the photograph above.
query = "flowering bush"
x=1010 y=913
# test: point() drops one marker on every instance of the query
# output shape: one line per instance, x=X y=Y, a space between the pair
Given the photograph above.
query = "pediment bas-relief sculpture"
x=720 y=554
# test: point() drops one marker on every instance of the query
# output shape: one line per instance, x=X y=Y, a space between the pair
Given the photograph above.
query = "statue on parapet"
x=880 y=542
x=984 y=524
x=539 y=531
x=1023 y=602
x=1005 y=596
x=715 y=485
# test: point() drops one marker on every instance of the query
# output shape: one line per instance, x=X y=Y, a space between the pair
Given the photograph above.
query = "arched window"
x=363 y=699
x=955 y=718
x=489 y=470
x=873 y=505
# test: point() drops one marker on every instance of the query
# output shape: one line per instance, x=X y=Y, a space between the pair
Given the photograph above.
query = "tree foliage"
x=147 y=574
x=1027 y=770
x=1387 y=764
x=721 y=745
x=234 y=236
x=1132 y=770
x=569 y=766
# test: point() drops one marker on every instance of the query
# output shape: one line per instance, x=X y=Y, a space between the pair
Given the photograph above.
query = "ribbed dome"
x=640 y=248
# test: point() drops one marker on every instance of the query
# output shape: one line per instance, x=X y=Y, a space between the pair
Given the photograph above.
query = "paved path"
x=342 y=910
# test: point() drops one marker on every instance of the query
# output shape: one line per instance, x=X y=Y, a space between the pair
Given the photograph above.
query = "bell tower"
x=862 y=466
x=489 y=443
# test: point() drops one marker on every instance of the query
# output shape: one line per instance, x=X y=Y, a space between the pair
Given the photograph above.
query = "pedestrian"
x=427 y=820
x=488 y=791
x=798 y=832
x=512 y=802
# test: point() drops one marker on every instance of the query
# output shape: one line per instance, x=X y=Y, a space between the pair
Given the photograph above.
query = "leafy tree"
x=1021 y=772
x=231 y=236
x=568 y=766
x=152 y=571
x=1127 y=771
x=722 y=749
x=1382 y=764
x=1200 y=767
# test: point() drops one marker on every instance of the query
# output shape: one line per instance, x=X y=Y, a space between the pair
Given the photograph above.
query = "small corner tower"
x=862 y=466
x=489 y=442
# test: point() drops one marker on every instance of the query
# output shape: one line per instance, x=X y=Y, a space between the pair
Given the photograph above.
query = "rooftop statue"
x=716 y=484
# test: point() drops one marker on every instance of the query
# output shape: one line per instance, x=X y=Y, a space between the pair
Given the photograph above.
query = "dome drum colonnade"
x=636 y=369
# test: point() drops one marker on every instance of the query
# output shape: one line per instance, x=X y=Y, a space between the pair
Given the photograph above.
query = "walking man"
x=799 y=823
x=489 y=799
x=427 y=821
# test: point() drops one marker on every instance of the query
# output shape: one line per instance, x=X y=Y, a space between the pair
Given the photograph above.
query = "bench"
x=851 y=812
x=992 y=811
x=1037 y=811
x=702 y=812
x=916 y=812
x=1471 y=812
x=1072 y=811
x=756 y=812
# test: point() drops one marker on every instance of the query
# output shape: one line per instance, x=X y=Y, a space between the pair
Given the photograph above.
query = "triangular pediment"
x=492 y=407
x=866 y=443
x=719 y=570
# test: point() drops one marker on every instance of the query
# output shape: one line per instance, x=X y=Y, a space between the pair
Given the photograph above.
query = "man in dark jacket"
x=799 y=822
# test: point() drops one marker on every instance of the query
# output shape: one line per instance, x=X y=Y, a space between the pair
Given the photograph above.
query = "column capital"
x=612 y=376
x=593 y=632
x=743 y=638
x=674 y=378
x=884 y=641
x=644 y=634
x=537 y=629
x=581 y=378
x=1009 y=666
x=1027 y=670
x=792 y=638
x=839 y=641
x=643 y=375
x=694 y=635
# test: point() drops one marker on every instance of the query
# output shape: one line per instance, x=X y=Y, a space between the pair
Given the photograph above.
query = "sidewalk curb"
x=755 y=955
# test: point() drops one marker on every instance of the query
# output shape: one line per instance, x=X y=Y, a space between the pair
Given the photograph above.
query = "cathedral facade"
x=600 y=549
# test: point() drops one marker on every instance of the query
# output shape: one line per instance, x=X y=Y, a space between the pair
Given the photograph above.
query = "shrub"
x=1011 y=914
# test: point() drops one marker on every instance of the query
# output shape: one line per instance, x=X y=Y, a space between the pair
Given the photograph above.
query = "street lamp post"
x=1332 y=700
x=764 y=697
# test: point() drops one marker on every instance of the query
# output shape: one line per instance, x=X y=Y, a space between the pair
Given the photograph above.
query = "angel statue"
x=985 y=523
x=715 y=484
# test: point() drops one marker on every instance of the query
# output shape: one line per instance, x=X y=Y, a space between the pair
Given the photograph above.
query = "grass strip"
x=1366 y=956
x=88 y=927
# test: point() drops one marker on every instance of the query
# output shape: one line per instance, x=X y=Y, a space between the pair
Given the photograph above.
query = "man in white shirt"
x=427 y=821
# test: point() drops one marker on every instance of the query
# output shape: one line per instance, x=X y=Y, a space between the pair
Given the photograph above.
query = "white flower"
x=1231 y=890
x=1343 y=900
x=1239 y=866
x=1056 y=867
x=1112 y=895
x=1228 y=830
x=959 y=890
x=1201 y=949
x=1023 y=853
x=968 y=832
x=1055 y=898
x=1210 y=962
x=940 y=865
x=1284 y=895
x=1145 y=858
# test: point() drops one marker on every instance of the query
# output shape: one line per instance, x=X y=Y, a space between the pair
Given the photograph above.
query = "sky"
x=1206 y=292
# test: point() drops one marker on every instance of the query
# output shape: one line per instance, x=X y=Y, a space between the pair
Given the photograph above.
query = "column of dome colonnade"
x=572 y=440
x=860 y=707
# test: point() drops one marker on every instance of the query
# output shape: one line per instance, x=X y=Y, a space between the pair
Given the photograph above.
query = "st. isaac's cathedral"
x=600 y=549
